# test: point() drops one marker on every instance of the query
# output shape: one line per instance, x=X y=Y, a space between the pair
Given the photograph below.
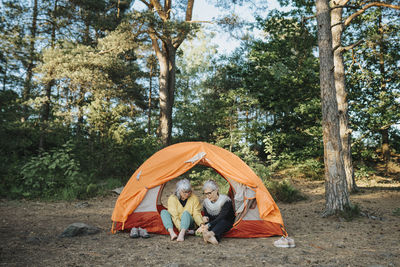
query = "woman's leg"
x=186 y=221
x=220 y=228
x=167 y=221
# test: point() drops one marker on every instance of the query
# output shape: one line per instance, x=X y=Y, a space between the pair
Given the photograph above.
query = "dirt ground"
x=29 y=235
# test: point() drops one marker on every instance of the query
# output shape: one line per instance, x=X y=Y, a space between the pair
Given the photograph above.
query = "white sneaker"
x=284 y=242
x=134 y=233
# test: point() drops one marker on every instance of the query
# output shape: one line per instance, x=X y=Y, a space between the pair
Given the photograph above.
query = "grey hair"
x=210 y=184
x=182 y=185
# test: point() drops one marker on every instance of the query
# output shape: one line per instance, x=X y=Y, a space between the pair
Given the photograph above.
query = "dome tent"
x=139 y=204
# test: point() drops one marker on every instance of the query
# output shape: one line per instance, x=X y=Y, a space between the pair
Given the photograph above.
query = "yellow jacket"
x=176 y=209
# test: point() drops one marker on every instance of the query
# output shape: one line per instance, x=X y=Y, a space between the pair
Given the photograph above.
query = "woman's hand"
x=201 y=229
x=205 y=219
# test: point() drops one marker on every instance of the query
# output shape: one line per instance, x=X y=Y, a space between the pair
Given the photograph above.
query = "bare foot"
x=213 y=240
x=172 y=234
x=209 y=236
x=206 y=236
x=181 y=236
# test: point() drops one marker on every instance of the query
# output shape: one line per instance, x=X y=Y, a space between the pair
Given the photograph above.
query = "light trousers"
x=186 y=220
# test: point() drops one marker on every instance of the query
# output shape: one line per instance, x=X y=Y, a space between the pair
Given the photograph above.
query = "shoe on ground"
x=134 y=233
x=291 y=242
x=284 y=242
x=143 y=233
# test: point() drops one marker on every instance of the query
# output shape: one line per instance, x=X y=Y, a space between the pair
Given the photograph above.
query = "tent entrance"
x=242 y=196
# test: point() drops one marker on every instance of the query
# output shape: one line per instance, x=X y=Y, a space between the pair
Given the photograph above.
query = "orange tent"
x=139 y=203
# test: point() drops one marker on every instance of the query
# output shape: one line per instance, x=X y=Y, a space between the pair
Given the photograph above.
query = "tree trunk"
x=336 y=192
x=5 y=74
x=150 y=89
x=46 y=106
x=385 y=145
x=382 y=51
x=31 y=60
x=166 y=59
x=341 y=94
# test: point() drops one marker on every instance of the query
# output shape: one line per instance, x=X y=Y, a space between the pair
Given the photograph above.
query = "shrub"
x=312 y=169
x=284 y=191
x=363 y=171
x=54 y=174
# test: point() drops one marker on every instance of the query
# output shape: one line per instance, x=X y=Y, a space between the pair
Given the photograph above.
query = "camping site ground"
x=29 y=233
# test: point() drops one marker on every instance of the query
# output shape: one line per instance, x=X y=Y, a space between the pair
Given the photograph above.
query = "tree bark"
x=166 y=59
x=166 y=55
x=150 y=89
x=341 y=93
x=336 y=192
x=382 y=51
x=31 y=62
x=46 y=106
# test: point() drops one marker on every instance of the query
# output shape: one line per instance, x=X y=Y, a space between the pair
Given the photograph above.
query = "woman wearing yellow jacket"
x=184 y=211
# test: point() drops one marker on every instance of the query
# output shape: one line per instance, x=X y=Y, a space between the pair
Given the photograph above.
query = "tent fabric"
x=137 y=204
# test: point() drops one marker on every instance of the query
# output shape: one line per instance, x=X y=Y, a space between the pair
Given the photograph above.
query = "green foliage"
x=199 y=174
x=312 y=169
x=396 y=212
x=54 y=174
x=363 y=171
x=373 y=74
x=284 y=191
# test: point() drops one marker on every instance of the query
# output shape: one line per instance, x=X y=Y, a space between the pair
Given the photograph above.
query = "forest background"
x=83 y=91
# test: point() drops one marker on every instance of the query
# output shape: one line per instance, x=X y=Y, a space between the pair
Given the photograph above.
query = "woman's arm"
x=197 y=217
x=173 y=210
x=225 y=210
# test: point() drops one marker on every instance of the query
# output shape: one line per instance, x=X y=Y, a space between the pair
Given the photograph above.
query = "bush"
x=312 y=169
x=363 y=171
x=284 y=191
x=54 y=174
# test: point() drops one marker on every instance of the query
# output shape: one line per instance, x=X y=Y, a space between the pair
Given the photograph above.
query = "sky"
x=203 y=11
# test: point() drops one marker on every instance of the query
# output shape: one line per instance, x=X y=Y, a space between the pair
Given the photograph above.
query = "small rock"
x=78 y=228
x=82 y=205
x=118 y=190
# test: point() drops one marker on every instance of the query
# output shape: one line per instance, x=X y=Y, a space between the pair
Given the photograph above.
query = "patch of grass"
x=396 y=212
x=312 y=169
x=350 y=212
x=284 y=191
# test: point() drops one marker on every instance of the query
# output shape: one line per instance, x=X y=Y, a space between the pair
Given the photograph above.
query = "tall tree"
x=13 y=45
x=341 y=91
x=374 y=75
x=32 y=52
x=338 y=26
x=336 y=191
x=169 y=26
x=282 y=72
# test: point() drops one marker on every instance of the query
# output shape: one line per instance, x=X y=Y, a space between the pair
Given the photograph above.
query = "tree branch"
x=364 y=8
x=352 y=46
x=163 y=15
x=182 y=34
x=201 y=21
x=146 y=3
